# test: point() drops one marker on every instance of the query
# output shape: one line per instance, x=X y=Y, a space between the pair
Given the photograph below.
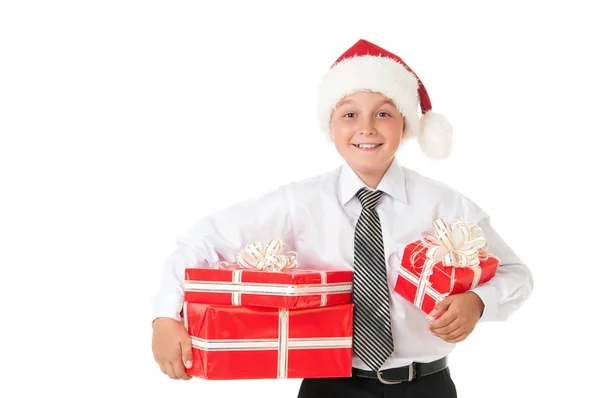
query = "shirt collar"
x=392 y=183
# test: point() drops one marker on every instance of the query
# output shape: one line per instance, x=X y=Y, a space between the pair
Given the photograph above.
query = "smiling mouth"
x=367 y=146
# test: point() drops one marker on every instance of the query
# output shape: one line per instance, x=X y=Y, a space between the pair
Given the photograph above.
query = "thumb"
x=441 y=306
x=186 y=352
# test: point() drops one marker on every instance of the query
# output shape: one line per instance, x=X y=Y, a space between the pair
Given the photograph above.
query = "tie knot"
x=368 y=198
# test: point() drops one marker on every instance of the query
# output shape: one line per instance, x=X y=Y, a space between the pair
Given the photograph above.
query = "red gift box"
x=452 y=259
x=232 y=343
x=290 y=288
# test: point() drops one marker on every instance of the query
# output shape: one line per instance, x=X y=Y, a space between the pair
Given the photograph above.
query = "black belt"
x=414 y=371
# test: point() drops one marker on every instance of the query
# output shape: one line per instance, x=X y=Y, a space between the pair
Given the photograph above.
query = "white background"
x=124 y=122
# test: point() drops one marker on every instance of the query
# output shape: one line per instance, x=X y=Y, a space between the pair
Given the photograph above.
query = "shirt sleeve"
x=513 y=282
x=219 y=237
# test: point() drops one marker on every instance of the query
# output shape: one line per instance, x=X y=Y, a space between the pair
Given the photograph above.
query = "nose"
x=366 y=127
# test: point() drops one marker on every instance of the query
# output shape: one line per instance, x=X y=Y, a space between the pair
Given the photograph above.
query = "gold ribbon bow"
x=265 y=258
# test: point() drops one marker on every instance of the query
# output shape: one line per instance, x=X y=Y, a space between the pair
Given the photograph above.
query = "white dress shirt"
x=316 y=217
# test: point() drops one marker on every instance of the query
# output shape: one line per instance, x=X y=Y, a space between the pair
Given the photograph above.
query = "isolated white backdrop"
x=124 y=122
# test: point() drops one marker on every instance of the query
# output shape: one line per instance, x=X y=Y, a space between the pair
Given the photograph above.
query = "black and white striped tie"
x=372 y=336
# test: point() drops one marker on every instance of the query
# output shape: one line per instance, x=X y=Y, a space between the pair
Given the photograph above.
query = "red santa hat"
x=368 y=67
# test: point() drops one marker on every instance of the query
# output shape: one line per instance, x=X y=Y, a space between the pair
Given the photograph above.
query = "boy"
x=354 y=218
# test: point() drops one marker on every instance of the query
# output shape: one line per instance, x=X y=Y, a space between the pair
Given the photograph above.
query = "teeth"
x=366 y=146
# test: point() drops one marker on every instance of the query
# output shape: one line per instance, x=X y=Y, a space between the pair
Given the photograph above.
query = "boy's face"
x=367 y=118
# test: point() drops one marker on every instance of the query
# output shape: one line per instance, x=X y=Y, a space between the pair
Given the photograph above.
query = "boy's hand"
x=172 y=347
x=461 y=314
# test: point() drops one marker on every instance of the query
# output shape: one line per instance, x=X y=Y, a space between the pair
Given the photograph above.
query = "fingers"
x=460 y=319
x=174 y=370
x=170 y=370
x=441 y=306
x=454 y=332
x=179 y=370
x=186 y=352
x=163 y=367
x=443 y=321
x=458 y=338
x=448 y=328
x=173 y=367
x=451 y=335
x=171 y=346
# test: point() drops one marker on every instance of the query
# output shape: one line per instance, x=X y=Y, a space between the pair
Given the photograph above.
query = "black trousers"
x=437 y=385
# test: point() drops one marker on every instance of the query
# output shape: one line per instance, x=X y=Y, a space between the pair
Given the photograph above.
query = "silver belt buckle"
x=411 y=375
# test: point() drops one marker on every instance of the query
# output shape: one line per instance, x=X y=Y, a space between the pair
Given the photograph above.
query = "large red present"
x=235 y=343
x=267 y=278
x=452 y=259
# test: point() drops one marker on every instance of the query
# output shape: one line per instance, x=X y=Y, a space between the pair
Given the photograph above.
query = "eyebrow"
x=351 y=102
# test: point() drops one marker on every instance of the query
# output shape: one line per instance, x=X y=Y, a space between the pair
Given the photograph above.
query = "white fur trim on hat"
x=390 y=78
x=370 y=73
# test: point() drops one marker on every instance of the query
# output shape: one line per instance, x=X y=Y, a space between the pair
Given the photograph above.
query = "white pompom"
x=435 y=135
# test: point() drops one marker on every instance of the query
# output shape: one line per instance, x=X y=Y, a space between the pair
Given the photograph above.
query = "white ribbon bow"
x=460 y=245
x=268 y=258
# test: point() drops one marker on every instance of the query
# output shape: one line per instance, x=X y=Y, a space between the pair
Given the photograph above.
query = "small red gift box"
x=452 y=259
x=266 y=277
x=233 y=343
x=290 y=289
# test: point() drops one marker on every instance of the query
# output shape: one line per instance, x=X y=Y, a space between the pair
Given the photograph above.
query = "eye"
x=350 y=115
x=383 y=114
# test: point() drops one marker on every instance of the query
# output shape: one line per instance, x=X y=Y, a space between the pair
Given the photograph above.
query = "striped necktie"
x=372 y=339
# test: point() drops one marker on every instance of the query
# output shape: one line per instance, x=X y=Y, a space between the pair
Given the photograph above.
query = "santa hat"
x=367 y=67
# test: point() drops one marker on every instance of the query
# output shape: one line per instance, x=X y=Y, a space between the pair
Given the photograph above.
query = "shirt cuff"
x=167 y=307
x=487 y=294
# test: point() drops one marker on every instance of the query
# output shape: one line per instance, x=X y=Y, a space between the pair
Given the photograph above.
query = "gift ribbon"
x=290 y=290
x=429 y=290
x=265 y=258
x=282 y=344
x=272 y=257
x=460 y=245
x=254 y=256
x=324 y=282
